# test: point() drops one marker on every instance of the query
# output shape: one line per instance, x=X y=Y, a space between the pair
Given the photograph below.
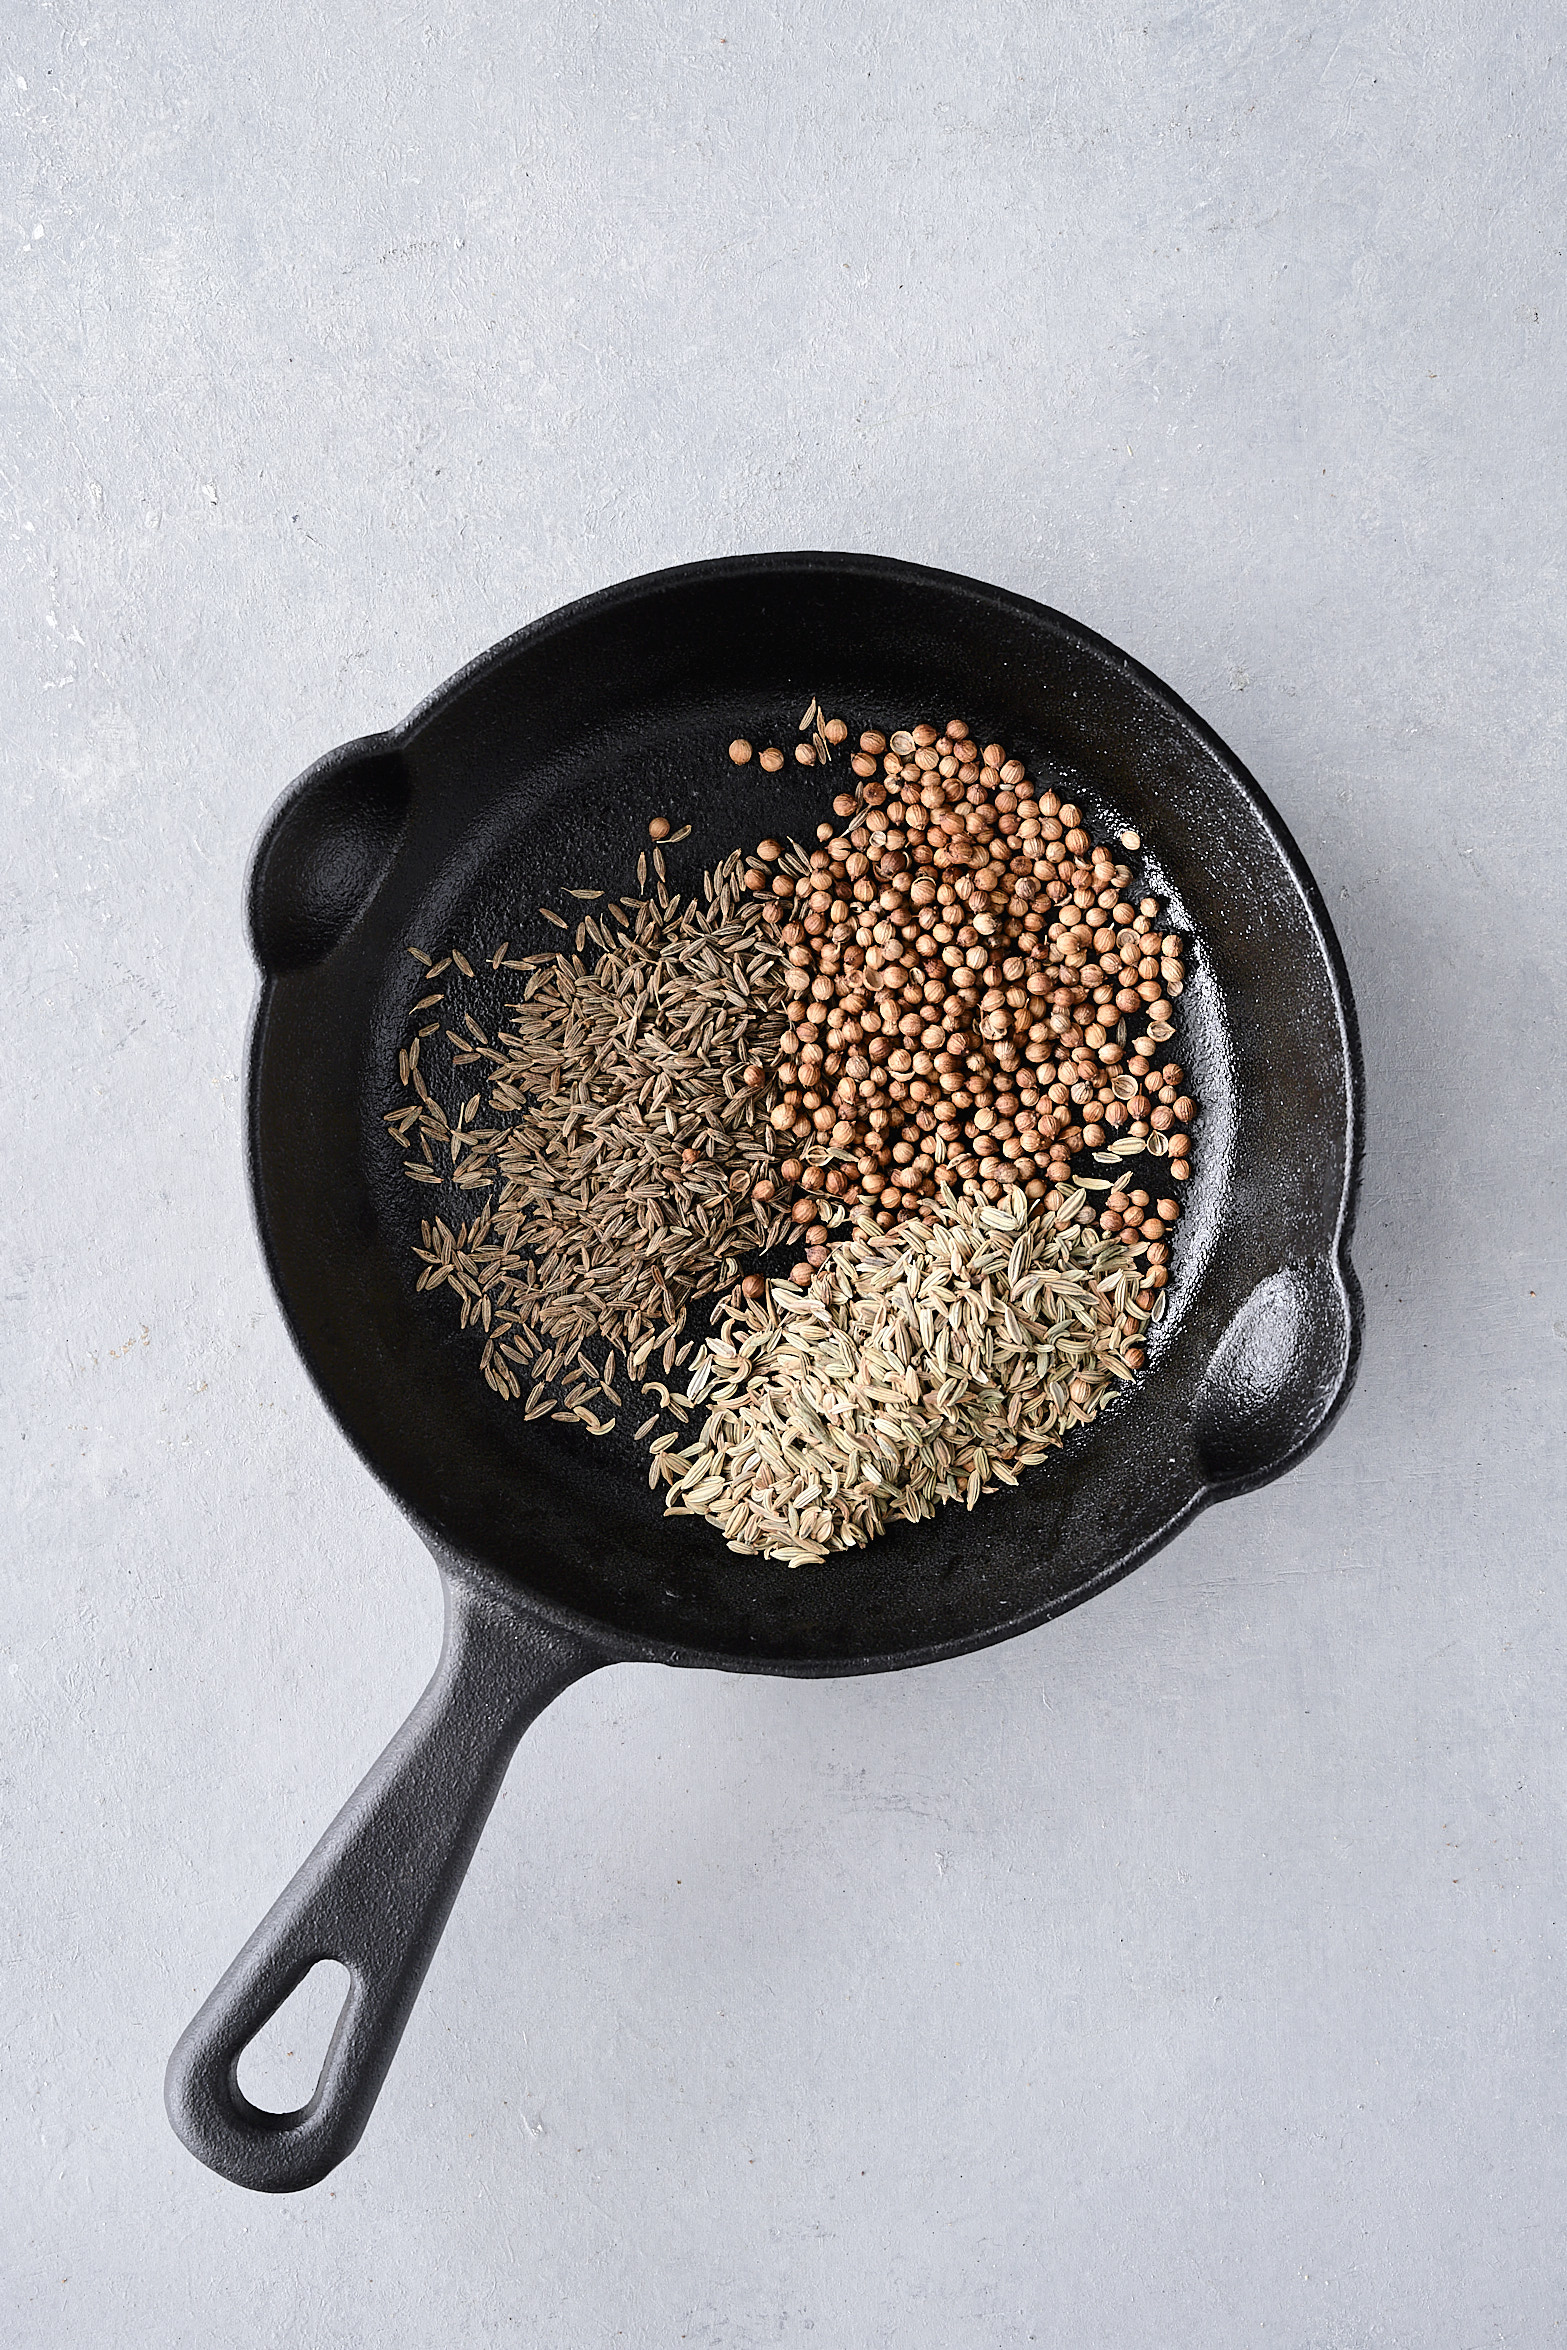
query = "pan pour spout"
x=1277 y=1375
x=324 y=851
x=374 y=1895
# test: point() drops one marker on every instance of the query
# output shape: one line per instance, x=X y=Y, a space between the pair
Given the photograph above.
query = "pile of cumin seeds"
x=920 y=1366
x=619 y=1149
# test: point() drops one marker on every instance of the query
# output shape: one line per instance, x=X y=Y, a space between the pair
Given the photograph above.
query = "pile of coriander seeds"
x=948 y=1020
x=974 y=998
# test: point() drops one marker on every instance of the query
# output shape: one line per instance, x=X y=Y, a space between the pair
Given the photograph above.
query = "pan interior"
x=538 y=773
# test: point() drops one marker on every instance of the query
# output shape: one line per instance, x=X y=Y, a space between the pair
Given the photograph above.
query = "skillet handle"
x=375 y=1895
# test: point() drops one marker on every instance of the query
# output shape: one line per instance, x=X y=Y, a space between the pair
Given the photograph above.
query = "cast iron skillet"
x=533 y=772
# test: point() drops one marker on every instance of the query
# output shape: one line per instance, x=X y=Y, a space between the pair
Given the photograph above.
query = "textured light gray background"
x=1189 y=1972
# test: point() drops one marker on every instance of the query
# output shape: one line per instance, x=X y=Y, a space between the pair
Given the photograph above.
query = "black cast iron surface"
x=535 y=771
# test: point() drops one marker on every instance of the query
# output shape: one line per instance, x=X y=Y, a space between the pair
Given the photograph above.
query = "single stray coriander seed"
x=740 y=751
x=659 y=828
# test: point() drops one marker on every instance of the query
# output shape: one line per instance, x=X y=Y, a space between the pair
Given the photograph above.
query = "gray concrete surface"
x=1191 y=1972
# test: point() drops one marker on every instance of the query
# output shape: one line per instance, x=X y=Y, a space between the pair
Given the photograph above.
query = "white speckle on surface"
x=1230 y=2012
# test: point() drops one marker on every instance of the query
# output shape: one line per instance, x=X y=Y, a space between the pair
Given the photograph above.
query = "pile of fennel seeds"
x=924 y=1365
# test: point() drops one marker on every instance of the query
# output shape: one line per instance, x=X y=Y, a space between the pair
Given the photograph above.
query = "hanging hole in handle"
x=280 y=2066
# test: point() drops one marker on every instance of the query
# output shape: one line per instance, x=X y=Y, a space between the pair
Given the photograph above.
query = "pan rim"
x=610 y=1640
